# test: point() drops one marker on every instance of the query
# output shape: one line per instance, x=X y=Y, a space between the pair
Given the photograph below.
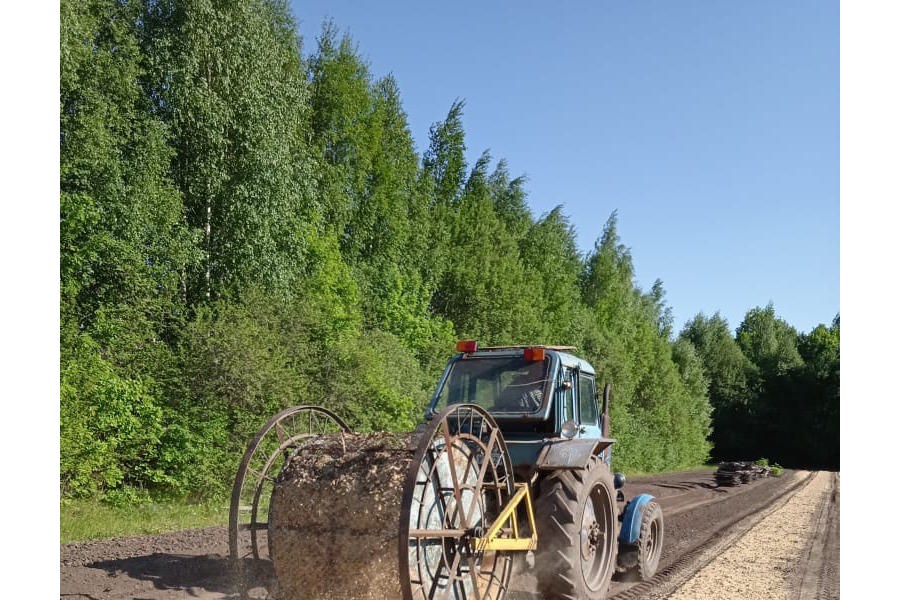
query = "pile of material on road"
x=731 y=473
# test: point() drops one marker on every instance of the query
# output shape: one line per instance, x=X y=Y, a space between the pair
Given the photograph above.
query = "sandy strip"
x=762 y=564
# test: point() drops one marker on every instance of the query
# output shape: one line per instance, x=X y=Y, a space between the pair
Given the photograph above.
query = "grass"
x=90 y=519
x=635 y=473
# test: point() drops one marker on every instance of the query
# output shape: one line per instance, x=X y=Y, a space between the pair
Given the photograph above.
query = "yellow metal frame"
x=508 y=518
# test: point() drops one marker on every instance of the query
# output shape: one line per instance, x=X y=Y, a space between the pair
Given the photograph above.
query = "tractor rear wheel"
x=577 y=534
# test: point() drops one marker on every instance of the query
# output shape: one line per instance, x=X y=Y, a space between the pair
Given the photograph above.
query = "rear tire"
x=577 y=543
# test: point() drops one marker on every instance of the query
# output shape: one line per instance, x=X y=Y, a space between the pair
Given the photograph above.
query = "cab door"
x=578 y=402
x=567 y=409
x=588 y=408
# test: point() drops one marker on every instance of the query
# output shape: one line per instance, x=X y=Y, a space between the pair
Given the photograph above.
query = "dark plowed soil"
x=183 y=564
x=194 y=563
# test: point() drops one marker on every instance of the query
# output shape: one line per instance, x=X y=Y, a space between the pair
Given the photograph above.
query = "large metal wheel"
x=266 y=455
x=458 y=482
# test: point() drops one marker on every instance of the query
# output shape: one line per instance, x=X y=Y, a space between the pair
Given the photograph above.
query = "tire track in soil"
x=818 y=574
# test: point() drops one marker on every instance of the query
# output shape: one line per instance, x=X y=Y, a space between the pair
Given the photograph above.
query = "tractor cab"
x=543 y=398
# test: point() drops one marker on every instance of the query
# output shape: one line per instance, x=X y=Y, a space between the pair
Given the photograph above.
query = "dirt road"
x=710 y=534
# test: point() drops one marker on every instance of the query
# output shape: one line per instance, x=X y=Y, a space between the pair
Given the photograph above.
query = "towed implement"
x=509 y=472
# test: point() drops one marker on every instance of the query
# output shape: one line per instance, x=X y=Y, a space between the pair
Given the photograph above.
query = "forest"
x=246 y=224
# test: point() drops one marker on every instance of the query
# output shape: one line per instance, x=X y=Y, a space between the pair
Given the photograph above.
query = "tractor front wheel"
x=650 y=542
x=577 y=533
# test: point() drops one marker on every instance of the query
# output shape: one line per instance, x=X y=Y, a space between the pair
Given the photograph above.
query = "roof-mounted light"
x=467 y=346
x=534 y=354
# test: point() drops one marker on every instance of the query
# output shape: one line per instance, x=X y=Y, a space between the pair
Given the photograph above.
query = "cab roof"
x=561 y=352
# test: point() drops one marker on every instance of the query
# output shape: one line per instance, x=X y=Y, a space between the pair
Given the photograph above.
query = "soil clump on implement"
x=334 y=517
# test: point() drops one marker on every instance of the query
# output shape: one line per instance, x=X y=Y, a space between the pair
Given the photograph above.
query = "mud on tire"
x=577 y=543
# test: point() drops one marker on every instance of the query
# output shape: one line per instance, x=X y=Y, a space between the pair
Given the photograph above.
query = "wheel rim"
x=596 y=529
x=653 y=546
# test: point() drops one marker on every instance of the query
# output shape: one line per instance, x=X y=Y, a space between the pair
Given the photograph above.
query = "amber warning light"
x=534 y=354
x=467 y=346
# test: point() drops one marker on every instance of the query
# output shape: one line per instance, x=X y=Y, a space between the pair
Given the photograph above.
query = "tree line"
x=245 y=226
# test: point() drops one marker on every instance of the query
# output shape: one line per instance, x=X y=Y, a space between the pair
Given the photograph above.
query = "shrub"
x=110 y=427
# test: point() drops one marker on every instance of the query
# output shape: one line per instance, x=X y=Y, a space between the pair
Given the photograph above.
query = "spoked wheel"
x=266 y=455
x=460 y=479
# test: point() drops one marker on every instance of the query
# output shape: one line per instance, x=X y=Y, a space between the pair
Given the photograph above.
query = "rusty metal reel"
x=460 y=479
x=264 y=459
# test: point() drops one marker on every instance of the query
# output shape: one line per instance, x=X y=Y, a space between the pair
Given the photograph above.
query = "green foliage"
x=660 y=408
x=786 y=403
x=378 y=385
x=486 y=292
x=110 y=428
x=369 y=186
x=243 y=361
x=123 y=242
x=445 y=161
x=228 y=80
x=768 y=342
x=550 y=257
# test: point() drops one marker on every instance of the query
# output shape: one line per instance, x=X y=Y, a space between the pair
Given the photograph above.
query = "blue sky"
x=712 y=127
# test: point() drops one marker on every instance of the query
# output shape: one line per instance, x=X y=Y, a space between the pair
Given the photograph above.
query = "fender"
x=565 y=453
x=631 y=519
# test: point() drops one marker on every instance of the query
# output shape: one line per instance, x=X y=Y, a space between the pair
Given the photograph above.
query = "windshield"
x=507 y=384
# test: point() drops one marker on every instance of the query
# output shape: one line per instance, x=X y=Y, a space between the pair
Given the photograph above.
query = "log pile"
x=334 y=518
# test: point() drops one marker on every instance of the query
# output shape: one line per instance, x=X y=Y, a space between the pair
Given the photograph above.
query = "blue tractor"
x=555 y=430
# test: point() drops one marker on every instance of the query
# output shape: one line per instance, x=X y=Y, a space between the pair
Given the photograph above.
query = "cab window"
x=587 y=400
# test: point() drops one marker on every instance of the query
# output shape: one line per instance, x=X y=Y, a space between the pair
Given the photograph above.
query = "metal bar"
x=485 y=462
x=448 y=446
x=492 y=541
x=522 y=544
x=436 y=533
x=474 y=575
x=563 y=348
